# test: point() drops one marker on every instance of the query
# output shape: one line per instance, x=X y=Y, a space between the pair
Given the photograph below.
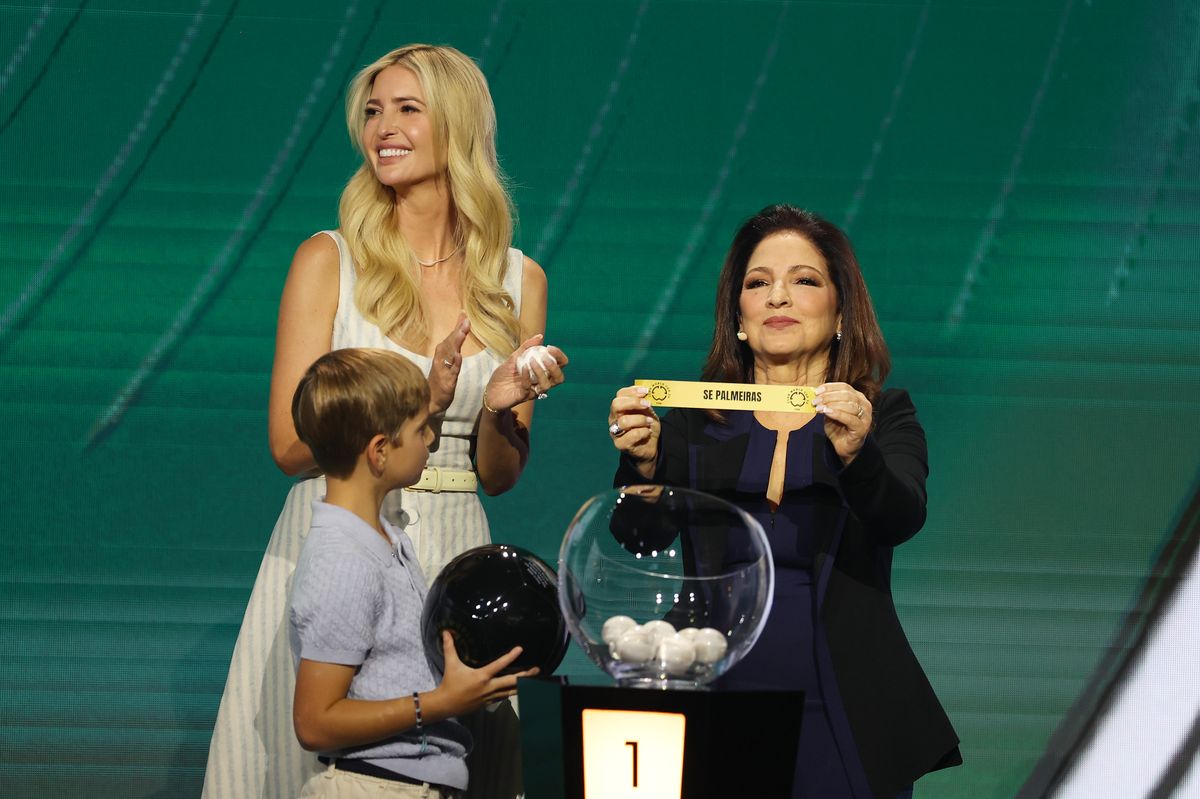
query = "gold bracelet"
x=487 y=407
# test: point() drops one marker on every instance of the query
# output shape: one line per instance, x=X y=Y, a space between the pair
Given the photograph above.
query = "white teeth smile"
x=392 y=152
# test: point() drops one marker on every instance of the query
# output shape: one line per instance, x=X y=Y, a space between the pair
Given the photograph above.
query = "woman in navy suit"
x=836 y=490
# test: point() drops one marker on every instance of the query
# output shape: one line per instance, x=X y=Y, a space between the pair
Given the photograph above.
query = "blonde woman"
x=421 y=265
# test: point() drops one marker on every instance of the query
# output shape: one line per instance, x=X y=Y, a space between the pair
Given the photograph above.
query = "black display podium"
x=656 y=744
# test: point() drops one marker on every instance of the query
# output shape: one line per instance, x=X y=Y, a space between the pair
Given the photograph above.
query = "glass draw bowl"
x=664 y=587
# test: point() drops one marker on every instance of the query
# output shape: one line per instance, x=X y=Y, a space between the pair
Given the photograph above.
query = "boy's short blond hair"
x=349 y=396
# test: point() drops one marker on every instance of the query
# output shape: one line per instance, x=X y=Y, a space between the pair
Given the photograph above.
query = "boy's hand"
x=447 y=364
x=466 y=689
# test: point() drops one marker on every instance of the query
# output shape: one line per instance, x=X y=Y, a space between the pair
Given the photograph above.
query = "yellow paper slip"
x=728 y=396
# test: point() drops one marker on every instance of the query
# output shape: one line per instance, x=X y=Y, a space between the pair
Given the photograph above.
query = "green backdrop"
x=1020 y=179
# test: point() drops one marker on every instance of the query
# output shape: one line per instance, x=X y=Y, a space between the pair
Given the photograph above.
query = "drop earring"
x=839 y=335
x=741 y=335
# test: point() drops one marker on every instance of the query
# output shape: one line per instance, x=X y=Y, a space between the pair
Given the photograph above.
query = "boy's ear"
x=376 y=451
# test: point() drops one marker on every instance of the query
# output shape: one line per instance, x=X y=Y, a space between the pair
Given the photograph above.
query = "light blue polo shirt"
x=356 y=601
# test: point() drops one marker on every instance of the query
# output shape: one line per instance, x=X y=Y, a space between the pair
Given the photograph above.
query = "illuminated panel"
x=632 y=754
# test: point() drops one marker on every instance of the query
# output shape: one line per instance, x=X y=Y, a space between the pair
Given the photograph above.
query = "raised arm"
x=503 y=445
x=304 y=333
x=885 y=484
x=653 y=450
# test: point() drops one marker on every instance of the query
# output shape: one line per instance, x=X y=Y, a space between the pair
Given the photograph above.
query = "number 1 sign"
x=632 y=754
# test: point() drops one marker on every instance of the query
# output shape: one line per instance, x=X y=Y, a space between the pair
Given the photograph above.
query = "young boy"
x=365 y=696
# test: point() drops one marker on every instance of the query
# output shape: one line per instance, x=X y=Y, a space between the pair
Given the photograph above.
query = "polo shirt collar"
x=326 y=515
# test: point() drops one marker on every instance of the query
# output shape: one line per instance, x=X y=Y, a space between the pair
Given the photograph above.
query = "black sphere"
x=492 y=598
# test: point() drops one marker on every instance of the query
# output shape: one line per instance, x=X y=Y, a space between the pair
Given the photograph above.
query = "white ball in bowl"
x=613 y=628
x=676 y=655
x=635 y=646
x=710 y=645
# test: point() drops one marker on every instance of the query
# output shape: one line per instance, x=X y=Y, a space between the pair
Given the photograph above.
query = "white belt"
x=437 y=480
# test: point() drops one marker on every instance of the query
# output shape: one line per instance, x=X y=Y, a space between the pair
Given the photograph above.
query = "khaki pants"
x=333 y=783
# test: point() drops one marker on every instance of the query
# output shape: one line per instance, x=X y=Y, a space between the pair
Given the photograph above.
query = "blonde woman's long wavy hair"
x=464 y=126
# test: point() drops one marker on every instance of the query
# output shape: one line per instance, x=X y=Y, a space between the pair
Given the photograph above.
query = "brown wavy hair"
x=861 y=358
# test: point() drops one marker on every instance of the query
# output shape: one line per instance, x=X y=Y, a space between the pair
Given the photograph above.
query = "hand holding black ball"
x=494 y=600
x=464 y=689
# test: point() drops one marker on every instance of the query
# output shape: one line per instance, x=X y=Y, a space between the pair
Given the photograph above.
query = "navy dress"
x=785 y=655
x=872 y=723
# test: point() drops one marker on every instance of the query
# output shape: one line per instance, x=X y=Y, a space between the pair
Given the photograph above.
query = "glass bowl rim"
x=750 y=521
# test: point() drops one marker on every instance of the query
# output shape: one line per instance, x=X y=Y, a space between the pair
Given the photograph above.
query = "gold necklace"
x=439 y=260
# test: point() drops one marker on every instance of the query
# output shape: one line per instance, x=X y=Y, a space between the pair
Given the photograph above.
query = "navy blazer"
x=884 y=705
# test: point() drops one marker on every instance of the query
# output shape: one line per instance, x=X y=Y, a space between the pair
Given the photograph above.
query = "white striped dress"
x=254 y=751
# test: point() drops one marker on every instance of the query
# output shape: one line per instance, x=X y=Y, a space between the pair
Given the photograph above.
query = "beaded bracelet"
x=420 y=726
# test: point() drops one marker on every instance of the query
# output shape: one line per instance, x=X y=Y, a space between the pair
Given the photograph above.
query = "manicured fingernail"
x=645 y=403
x=819 y=390
x=641 y=391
